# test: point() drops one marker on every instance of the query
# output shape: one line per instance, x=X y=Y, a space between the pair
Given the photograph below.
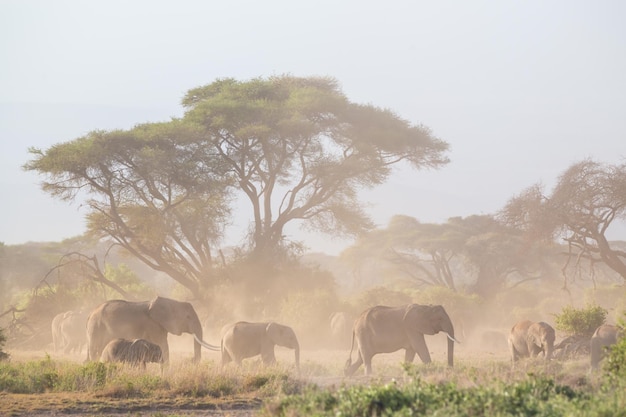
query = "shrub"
x=615 y=364
x=3 y=355
x=582 y=321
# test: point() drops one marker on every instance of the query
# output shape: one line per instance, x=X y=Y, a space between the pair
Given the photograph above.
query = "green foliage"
x=164 y=190
x=3 y=339
x=126 y=278
x=48 y=375
x=583 y=321
x=119 y=381
x=538 y=396
x=615 y=363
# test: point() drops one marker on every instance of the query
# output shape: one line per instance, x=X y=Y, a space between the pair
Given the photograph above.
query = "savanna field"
x=481 y=383
x=157 y=261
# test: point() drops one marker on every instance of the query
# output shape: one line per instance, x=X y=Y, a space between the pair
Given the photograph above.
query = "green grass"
x=463 y=395
x=474 y=387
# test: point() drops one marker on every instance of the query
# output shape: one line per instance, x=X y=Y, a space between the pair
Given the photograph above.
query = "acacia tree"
x=432 y=254
x=296 y=148
x=500 y=255
x=300 y=150
x=155 y=190
x=422 y=252
x=587 y=199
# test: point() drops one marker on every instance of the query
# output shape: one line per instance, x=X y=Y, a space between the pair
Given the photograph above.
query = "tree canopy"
x=442 y=254
x=587 y=199
x=296 y=148
x=300 y=150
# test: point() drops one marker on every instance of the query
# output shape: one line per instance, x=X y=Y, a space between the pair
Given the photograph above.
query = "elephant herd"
x=529 y=339
x=136 y=333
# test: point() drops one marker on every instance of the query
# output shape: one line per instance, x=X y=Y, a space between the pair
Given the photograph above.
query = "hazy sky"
x=520 y=89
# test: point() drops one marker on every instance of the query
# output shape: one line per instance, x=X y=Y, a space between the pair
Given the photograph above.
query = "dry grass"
x=204 y=388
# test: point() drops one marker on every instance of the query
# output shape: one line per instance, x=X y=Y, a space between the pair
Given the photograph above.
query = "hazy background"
x=520 y=90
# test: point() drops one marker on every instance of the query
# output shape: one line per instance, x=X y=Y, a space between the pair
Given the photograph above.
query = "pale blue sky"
x=520 y=89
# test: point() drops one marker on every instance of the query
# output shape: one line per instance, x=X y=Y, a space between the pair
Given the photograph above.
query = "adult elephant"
x=68 y=331
x=383 y=329
x=529 y=339
x=605 y=335
x=150 y=320
x=134 y=352
x=243 y=340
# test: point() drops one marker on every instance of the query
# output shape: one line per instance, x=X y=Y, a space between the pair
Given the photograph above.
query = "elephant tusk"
x=452 y=338
x=206 y=345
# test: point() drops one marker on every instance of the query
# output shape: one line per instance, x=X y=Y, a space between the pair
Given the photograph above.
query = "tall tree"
x=156 y=190
x=301 y=151
x=587 y=199
x=420 y=252
x=431 y=254
x=296 y=148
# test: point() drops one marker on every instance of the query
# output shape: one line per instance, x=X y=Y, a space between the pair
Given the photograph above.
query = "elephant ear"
x=275 y=332
x=418 y=317
x=168 y=313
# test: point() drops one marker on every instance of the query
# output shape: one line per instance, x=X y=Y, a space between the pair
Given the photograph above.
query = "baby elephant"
x=528 y=339
x=135 y=352
x=244 y=340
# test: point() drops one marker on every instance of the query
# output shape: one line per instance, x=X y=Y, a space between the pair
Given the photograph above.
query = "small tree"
x=582 y=321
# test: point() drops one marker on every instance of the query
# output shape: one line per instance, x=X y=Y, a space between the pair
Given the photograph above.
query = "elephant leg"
x=268 y=358
x=165 y=349
x=514 y=352
x=352 y=367
x=226 y=358
x=418 y=344
x=534 y=350
x=367 y=361
x=409 y=355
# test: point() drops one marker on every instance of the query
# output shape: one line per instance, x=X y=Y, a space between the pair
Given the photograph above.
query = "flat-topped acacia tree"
x=296 y=148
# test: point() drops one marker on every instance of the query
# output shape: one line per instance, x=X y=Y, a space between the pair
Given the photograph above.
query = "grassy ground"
x=35 y=383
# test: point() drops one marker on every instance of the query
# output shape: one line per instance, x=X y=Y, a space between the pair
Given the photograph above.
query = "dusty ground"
x=321 y=367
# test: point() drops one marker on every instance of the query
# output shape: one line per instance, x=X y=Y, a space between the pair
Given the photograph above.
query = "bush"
x=582 y=321
x=615 y=364
x=536 y=396
x=3 y=355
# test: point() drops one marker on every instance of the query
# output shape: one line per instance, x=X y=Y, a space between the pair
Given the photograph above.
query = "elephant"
x=604 y=336
x=243 y=340
x=383 y=329
x=134 y=352
x=340 y=327
x=528 y=339
x=68 y=331
x=150 y=320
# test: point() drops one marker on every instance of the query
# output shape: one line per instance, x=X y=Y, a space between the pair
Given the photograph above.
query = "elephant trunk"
x=549 y=350
x=449 y=330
